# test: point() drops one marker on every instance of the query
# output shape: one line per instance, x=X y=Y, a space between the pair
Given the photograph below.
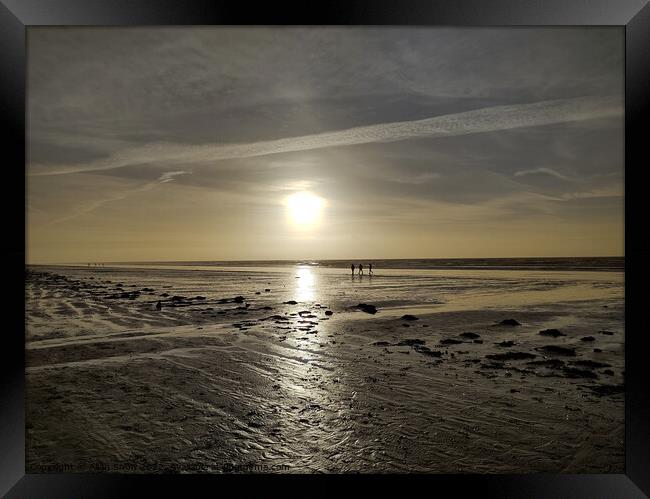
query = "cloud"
x=476 y=121
x=609 y=192
x=415 y=179
x=85 y=77
x=169 y=176
x=548 y=171
x=117 y=196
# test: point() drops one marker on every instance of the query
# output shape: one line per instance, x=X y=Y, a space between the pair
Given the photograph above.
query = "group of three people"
x=361 y=269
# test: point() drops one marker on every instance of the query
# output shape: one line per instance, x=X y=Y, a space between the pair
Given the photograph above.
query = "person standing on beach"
x=352 y=268
x=360 y=269
x=370 y=269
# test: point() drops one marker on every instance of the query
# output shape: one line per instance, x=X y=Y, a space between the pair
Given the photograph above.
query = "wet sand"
x=222 y=381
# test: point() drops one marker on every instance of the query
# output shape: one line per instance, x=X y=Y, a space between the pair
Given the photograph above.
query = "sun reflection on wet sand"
x=308 y=383
x=305 y=284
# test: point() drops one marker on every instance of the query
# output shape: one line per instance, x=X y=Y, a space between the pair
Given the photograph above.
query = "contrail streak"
x=476 y=121
x=118 y=196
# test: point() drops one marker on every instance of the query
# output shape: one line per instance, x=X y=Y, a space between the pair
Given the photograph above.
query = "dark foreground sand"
x=212 y=385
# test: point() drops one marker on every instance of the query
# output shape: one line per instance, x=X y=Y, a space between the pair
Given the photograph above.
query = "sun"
x=304 y=209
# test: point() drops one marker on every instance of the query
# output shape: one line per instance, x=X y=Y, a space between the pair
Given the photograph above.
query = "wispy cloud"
x=615 y=191
x=476 y=121
x=117 y=196
x=547 y=171
x=414 y=180
x=169 y=176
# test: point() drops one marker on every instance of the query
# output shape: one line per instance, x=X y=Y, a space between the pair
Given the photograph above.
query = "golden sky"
x=286 y=143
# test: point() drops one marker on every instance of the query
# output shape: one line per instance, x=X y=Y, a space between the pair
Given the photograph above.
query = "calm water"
x=561 y=263
x=418 y=285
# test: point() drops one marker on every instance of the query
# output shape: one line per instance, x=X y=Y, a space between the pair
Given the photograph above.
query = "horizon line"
x=349 y=260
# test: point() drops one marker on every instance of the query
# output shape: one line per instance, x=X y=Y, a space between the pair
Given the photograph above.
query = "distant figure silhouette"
x=370 y=269
x=158 y=306
x=360 y=269
x=352 y=268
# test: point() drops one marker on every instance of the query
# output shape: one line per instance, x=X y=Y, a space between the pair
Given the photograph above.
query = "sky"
x=238 y=143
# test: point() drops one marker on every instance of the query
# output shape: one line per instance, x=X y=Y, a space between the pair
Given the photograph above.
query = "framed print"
x=361 y=241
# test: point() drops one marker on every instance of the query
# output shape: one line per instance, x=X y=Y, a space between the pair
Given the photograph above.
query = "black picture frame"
x=632 y=15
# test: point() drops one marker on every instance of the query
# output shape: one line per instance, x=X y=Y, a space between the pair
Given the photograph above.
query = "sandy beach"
x=283 y=369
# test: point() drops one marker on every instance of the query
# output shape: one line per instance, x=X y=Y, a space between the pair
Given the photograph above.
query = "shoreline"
x=609 y=263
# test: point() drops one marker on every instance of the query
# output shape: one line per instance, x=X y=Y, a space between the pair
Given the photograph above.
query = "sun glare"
x=304 y=209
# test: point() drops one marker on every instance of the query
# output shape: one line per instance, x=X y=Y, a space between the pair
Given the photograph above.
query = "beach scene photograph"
x=325 y=250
